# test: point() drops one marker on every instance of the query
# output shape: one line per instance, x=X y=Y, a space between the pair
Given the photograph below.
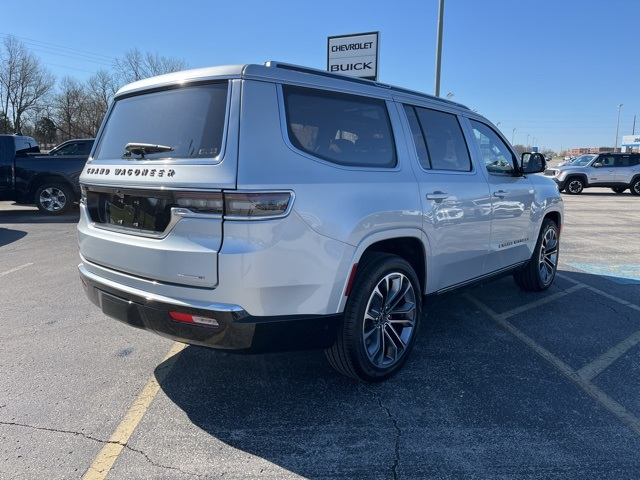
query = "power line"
x=52 y=46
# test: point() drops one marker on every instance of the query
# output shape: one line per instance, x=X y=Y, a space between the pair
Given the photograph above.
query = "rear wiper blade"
x=143 y=149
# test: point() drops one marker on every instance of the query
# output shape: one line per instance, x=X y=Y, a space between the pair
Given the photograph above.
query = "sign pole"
x=439 y=46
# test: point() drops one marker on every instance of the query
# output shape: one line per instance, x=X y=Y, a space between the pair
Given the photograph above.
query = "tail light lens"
x=237 y=206
x=256 y=205
x=201 y=202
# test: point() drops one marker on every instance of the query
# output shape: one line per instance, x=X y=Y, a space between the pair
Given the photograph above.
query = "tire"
x=574 y=186
x=618 y=189
x=540 y=272
x=635 y=186
x=54 y=198
x=381 y=319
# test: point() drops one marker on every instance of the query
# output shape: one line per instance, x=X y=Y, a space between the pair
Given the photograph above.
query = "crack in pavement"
x=52 y=430
x=95 y=439
x=396 y=460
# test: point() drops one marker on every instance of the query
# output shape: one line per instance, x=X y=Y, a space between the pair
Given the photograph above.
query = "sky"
x=549 y=73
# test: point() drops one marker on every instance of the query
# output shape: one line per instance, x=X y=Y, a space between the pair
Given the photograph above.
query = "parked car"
x=274 y=207
x=618 y=171
x=28 y=176
x=80 y=146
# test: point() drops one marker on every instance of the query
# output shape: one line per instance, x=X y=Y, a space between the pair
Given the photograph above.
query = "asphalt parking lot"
x=502 y=384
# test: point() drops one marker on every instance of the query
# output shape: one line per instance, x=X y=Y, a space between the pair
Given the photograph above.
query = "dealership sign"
x=631 y=141
x=355 y=55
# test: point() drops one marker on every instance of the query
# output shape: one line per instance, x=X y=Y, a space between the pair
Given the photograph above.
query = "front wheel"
x=539 y=273
x=574 y=186
x=380 y=321
x=635 y=186
x=54 y=199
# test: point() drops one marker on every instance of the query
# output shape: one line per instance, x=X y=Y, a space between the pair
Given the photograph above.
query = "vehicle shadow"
x=466 y=374
x=8 y=236
x=24 y=215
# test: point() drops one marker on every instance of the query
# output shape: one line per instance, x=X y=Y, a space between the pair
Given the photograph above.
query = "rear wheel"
x=635 y=186
x=54 y=198
x=539 y=273
x=618 y=189
x=380 y=321
x=574 y=186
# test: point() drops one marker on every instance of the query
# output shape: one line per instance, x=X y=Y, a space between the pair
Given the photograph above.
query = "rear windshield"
x=189 y=120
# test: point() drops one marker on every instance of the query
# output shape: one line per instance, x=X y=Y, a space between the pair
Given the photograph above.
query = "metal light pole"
x=528 y=135
x=439 y=46
x=615 y=149
x=513 y=134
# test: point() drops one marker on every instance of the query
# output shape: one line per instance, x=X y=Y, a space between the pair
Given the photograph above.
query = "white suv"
x=272 y=207
x=617 y=171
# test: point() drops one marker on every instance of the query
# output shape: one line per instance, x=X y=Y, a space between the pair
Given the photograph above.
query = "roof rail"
x=324 y=73
x=363 y=81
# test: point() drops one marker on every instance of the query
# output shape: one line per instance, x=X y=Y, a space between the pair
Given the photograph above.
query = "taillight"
x=237 y=206
x=256 y=205
x=201 y=202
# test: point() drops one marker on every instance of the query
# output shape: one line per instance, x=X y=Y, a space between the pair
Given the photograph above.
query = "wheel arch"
x=556 y=217
x=409 y=244
x=40 y=180
x=580 y=175
x=636 y=178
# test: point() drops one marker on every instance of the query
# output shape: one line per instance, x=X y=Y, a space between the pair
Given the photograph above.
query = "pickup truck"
x=50 y=181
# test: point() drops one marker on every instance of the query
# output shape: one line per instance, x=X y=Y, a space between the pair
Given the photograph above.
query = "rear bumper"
x=236 y=331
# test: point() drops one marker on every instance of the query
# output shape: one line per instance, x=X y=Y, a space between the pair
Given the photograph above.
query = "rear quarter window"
x=344 y=129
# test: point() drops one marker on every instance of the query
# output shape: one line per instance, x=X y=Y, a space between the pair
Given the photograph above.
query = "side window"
x=418 y=137
x=496 y=154
x=624 y=161
x=439 y=140
x=340 y=128
x=71 y=149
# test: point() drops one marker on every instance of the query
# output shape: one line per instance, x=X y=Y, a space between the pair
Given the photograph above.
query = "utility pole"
x=439 y=47
x=615 y=149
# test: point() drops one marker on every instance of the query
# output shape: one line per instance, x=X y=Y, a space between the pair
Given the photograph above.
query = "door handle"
x=500 y=193
x=438 y=196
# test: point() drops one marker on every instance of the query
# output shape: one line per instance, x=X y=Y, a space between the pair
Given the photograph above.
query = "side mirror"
x=533 y=163
x=597 y=165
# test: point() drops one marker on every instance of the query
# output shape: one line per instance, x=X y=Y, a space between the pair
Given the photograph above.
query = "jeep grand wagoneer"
x=255 y=208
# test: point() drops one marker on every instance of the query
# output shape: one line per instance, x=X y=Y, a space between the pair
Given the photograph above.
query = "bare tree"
x=99 y=89
x=70 y=107
x=136 y=66
x=24 y=82
x=102 y=87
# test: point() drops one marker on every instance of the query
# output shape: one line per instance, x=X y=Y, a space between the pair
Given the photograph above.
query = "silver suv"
x=617 y=171
x=273 y=207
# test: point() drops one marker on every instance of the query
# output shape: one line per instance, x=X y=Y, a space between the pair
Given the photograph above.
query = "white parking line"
x=7 y=272
x=594 y=368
